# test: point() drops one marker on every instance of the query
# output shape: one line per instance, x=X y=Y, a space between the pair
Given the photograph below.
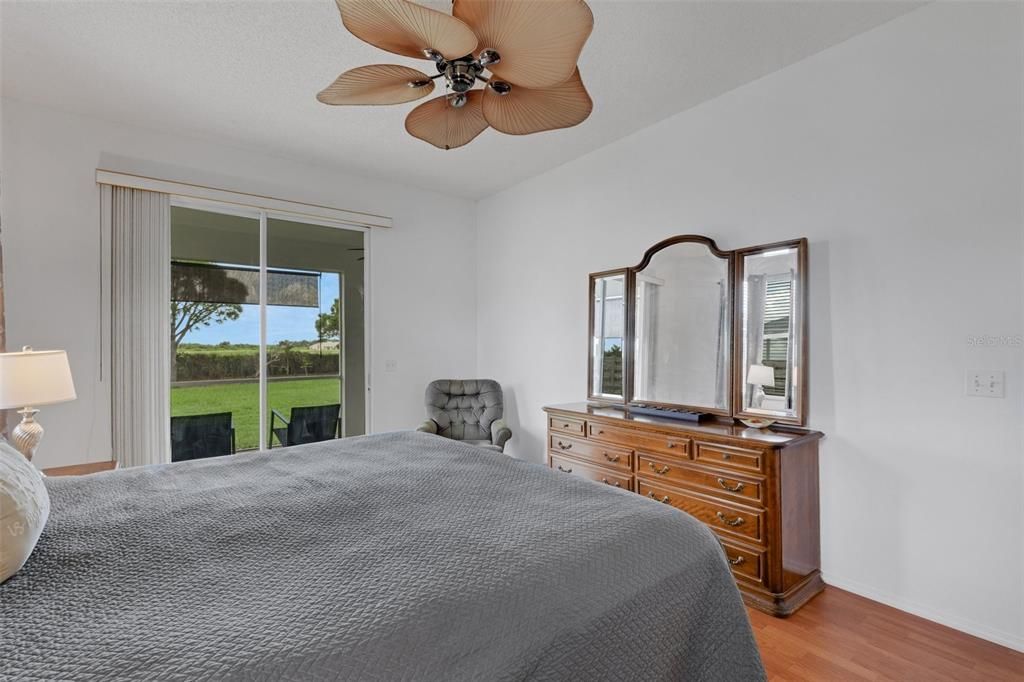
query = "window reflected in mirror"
x=608 y=330
x=770 y=332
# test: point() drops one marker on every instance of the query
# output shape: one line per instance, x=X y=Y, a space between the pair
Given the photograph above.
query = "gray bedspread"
x=401 y=556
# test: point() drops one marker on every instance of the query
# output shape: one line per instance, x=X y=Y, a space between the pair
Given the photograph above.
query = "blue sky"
x=283 y=323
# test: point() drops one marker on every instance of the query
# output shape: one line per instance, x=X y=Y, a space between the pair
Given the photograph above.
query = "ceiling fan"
x=524 y=53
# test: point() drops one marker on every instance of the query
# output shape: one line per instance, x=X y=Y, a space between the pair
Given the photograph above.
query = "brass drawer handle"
x=738 y=521
x=664 y=500
x=565 y=426
x=568 y=471
x=725 y=550
x=564 y=446
x=726 y=455
x=662 y=471
x=670 y=444
x=617 y=484
x=610 y=458
x=738 y=488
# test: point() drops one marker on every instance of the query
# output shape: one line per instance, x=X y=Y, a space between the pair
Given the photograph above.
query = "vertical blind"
x=140 y=229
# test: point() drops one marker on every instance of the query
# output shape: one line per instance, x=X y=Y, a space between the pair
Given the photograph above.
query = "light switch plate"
x=986 y=383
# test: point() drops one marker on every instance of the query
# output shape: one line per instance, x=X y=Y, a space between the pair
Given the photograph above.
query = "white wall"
x=898 y=154
x=50 y=222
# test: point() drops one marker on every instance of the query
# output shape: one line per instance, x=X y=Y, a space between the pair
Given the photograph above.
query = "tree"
x=282 y=358
x=189 y=283
x=328 y=325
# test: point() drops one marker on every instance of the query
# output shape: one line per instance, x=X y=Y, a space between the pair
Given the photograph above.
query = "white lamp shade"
x=761 y=375
x=33 y=378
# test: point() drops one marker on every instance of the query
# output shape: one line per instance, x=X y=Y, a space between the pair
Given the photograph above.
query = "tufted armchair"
x=468 y=410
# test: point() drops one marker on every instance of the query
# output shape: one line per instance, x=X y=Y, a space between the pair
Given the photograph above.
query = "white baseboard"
x=1007 y=639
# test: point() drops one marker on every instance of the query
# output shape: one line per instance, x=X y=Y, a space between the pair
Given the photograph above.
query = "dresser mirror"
x=771 y=331
x=607 y=336
x=696 y=328
x=681 y=333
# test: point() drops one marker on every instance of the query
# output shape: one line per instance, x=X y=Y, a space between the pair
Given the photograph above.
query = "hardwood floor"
x=80 y=469
x=840 y=636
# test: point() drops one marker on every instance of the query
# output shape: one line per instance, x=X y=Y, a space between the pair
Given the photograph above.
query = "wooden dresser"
x=757 y=489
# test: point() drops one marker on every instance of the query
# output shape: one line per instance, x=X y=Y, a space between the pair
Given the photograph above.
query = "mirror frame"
x=626 y=354
x=800 y=304
x=729 y=258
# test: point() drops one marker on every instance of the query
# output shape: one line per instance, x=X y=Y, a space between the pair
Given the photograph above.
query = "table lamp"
x=760 y=376
x=29 y=379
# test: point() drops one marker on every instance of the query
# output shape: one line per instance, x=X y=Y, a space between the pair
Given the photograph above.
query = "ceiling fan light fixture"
x=488 y=57
x=457 y=100
x=500 y=87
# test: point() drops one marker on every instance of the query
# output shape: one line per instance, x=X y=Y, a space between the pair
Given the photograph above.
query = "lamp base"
x=27 y=434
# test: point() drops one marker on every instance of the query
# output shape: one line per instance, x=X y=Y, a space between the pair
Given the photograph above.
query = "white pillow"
x=24 y=508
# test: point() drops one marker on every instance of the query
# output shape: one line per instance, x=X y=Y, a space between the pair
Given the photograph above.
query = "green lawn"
x=242 y=400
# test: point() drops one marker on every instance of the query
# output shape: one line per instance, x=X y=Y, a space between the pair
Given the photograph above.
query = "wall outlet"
x=391 y=365
x=986 y=383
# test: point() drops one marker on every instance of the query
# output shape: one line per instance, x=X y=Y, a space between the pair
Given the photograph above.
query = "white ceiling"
x=247 y=73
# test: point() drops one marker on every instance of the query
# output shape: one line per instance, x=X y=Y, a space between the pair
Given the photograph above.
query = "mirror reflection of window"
x=608 y=335
x=769 y=324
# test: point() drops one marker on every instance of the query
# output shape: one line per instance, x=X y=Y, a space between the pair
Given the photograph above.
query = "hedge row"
x=194 y=366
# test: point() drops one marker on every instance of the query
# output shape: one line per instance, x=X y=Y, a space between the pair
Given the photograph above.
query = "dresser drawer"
x=676 y=446
x=729 y=456
x=598 y=453
x=568 y=465
x=576 y=427
x=721 y=516
x=716 y=483
x=745 y=562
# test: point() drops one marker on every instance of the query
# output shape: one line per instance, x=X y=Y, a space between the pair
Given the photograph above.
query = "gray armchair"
x=468 y=410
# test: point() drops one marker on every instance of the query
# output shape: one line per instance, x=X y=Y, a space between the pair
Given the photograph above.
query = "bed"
x=400 y=556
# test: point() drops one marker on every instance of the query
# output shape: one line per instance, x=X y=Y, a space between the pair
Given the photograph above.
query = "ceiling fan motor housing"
x=461 y=73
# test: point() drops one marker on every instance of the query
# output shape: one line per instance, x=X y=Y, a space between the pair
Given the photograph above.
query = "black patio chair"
x=306 y=425
x=202 y=435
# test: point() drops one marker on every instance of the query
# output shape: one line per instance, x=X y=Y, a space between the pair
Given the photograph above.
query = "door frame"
x=261 y=214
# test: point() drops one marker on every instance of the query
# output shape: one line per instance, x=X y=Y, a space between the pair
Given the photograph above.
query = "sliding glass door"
x=315 y=342
x=268 y=346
